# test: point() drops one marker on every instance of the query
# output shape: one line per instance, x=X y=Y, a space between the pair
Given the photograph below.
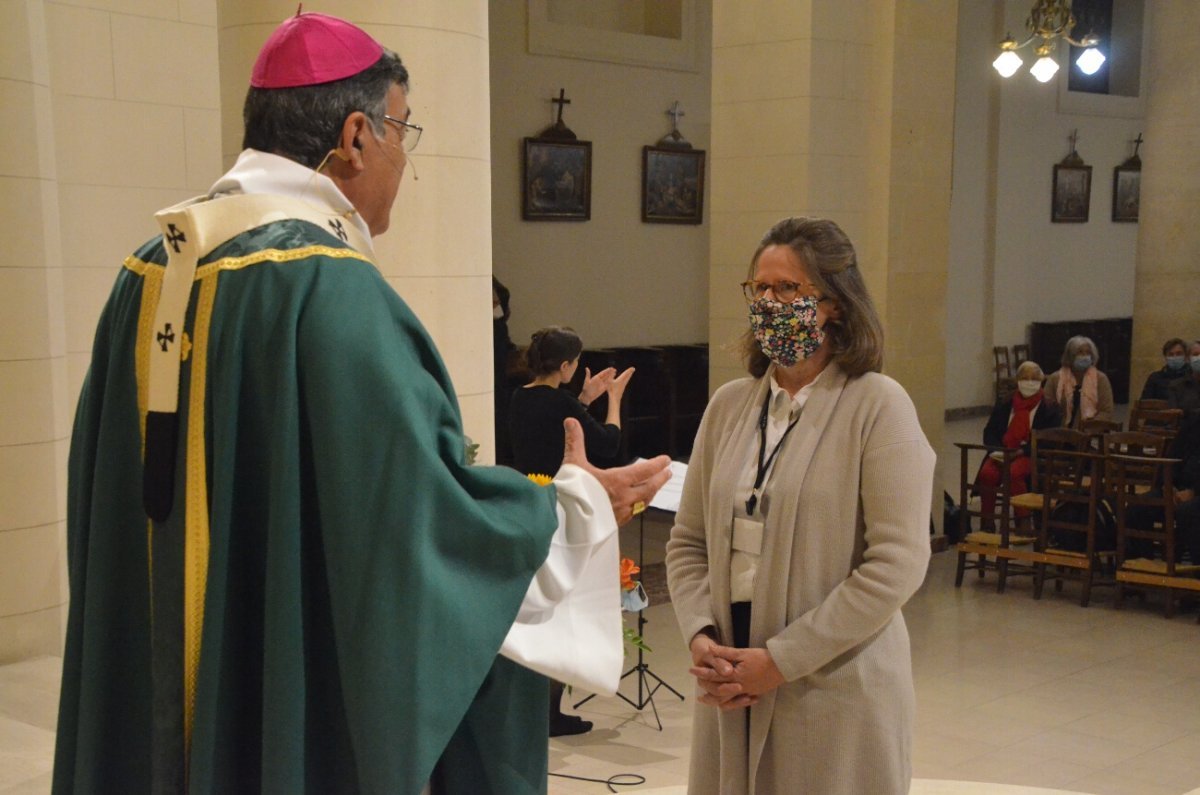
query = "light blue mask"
x=1196 y=364
x=1176 y=362
x=1083 y=362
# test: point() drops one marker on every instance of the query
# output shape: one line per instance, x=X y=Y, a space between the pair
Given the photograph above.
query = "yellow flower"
x=541 y=480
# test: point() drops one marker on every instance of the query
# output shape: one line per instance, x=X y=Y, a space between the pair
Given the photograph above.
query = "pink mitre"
x=310 y=49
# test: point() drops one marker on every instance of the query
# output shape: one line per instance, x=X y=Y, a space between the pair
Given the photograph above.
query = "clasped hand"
x=732 y=678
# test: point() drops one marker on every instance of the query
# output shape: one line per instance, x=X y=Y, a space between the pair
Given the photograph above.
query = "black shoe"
x=566 y=725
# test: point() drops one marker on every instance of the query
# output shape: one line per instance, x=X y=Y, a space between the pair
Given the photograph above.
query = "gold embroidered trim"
x=195 y=563
x=142 y=267
x=151 y=290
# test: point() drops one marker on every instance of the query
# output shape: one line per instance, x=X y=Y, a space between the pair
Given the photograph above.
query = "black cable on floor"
x=632 y=780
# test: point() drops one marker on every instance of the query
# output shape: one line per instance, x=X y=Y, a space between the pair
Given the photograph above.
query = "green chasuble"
x=321 y=610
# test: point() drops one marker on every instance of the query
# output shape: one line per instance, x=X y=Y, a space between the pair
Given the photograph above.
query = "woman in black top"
x=536 y=415
x=537 y=410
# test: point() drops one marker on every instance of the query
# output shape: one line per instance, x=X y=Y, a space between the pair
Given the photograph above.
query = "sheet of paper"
x=669 y=495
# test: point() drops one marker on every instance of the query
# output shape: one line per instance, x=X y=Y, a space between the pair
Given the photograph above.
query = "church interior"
x=885 y=117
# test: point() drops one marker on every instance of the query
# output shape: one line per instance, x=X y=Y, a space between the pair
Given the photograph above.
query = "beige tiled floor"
x=1010 y=690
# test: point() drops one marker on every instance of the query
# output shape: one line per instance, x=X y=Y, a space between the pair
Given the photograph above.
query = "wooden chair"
x=1056 y=438
x=1095 y=426
x=1003 y=371
x=1067 y=536
x=995 y=540
x=1144 y=481
x=1166 y=421
x=1135 y=443
x=1151 y=403
x=1139 y=444
x=1020 y=353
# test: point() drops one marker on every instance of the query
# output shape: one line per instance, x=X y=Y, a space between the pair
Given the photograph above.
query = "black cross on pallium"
x=336 y=223
x=166 y=337
x=175 y=237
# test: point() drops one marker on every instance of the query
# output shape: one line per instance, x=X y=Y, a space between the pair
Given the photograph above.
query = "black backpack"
x=1106 y=527
x=950 y=518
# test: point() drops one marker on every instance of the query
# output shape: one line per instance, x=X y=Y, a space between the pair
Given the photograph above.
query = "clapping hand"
x=627 y=486
x=595 y=385
x=616 y=389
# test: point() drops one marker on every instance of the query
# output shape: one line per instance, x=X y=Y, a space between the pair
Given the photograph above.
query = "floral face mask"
x=787 y=333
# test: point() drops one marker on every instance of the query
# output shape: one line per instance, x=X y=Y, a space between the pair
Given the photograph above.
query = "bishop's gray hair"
x=303 y=123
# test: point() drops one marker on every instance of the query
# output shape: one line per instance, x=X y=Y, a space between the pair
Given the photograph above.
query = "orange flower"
x=628 y=569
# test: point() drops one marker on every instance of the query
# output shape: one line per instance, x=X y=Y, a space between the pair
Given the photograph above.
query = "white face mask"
x=497 y=312
x=1029 y=388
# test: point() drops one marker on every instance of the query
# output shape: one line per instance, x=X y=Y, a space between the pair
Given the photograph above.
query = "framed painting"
x=1127 y=191
x=556 y=180
x=1072 y=194
x=672 y=185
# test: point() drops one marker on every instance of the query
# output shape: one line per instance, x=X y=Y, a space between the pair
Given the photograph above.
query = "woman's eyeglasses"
x=784 y=292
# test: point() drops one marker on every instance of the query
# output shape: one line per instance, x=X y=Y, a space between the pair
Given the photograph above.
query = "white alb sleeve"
x=569 y=626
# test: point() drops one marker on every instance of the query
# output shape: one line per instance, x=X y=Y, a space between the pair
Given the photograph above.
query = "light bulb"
x=1007 y=63
x=1044 y=69
x=1091 y=60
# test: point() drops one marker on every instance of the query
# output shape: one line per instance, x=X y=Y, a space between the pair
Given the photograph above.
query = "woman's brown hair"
x=855 y=337
x=550 y=347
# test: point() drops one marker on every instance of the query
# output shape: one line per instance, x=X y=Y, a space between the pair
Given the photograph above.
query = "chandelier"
x=1049 y=21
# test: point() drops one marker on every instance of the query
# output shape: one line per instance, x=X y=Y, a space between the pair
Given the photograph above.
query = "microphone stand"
x=646 y=691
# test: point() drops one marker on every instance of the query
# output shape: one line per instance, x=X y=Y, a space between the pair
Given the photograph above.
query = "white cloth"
x=260 y=172
x=743 y=563
x=569 y=625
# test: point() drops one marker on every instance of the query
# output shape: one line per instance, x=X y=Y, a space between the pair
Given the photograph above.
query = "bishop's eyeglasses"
x=410 y=133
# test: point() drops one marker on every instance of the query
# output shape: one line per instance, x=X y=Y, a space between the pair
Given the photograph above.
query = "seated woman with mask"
x=1011 y=425
x=1079 y=390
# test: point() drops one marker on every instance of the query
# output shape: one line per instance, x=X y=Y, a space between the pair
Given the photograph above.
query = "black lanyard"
x=763 y=466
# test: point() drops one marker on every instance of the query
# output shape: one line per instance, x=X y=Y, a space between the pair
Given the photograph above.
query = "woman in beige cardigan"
x=802 y=531
x=1080 y=391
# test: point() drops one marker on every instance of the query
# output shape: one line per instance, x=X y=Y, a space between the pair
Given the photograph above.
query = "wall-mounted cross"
x=561 y=100
x=1137 y=142
x=1074 y=139
x=674 y=112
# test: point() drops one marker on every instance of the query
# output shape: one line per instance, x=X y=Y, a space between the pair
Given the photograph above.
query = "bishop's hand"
x=627 y=486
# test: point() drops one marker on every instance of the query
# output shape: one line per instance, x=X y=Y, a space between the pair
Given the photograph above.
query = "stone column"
x=34 y=412
x=1167 y=287
x=438 y=252
x=108 y=124
x=841 y=110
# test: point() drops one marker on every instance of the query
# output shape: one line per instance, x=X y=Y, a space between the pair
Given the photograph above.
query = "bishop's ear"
x=350 y=139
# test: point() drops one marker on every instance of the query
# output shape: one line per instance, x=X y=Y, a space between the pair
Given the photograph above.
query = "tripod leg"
x=593 y=695
x=650 y=698
x=663 y=683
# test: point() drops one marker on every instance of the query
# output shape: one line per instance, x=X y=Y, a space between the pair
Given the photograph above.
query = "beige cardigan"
x=1104 y=397
x=846 y=543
